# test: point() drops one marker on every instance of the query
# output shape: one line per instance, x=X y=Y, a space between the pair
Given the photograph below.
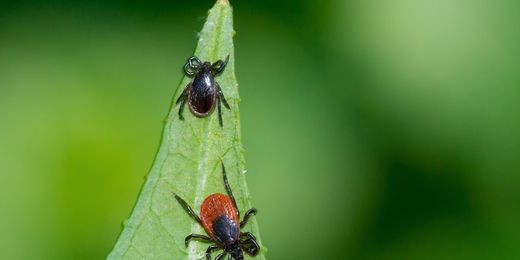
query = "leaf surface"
x=188 y=163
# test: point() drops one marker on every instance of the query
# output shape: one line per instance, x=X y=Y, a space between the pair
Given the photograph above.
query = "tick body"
x=203 y=93
x=220 y=218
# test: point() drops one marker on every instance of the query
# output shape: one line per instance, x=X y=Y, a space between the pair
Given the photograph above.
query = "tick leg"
x=188 y=71
x=182 y=99
x=192 y=66
x=203 y=238
x=250 y=246
x=251 y=211
x=184 y=94
x=248 y=235
x=228 y=189
x=188 y=209
x=219 y=66
x=221 y=255
x=219 y=110
x=211 y=249
x=221 y=96
x=194 y=62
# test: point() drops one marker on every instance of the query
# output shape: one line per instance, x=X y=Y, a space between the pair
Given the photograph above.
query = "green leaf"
x=188 y=163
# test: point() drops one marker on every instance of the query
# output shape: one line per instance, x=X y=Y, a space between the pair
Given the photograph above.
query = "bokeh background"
x=372 y=129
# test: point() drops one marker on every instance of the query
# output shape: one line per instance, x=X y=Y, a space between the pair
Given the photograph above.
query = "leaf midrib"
x=203 y=149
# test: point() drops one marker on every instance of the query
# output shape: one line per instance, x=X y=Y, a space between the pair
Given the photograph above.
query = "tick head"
x=236 y=252
x=205 y=68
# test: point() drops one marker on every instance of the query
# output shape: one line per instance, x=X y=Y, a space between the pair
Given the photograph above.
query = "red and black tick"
x=203 y=92
x=220 y=218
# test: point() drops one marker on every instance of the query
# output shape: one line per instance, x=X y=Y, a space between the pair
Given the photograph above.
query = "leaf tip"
x=223 y=2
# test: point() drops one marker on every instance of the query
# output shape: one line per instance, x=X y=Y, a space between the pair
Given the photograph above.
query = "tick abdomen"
x=220 y=219
x=202 y=93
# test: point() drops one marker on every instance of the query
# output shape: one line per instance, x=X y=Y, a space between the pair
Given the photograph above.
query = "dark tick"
x=220 y=218
x=203 y=91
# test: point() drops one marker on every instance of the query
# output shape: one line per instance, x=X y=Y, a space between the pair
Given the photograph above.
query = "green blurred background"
x=372 y=129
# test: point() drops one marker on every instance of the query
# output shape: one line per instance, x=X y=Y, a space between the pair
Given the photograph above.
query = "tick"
x=220 y=218
x=203 y=91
